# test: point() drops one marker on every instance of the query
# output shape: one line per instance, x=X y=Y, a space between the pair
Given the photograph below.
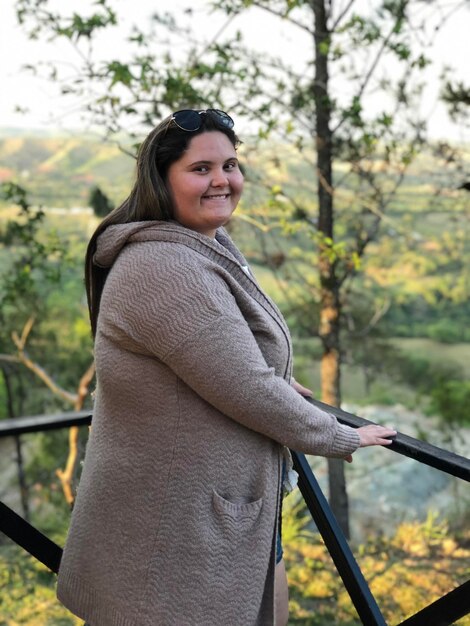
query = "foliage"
x=30 y=269
x=99 y=202
x=448 y=332
x=39 y=287
x=28 y=592
x=406 y=572
x=33 y=259
x=439 y=384
x=397 y=569
x=373 y=151
x=451 y=399
x=400 y=310
x=456 y=95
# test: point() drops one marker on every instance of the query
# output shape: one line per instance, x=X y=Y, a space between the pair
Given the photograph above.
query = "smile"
x=222 y=195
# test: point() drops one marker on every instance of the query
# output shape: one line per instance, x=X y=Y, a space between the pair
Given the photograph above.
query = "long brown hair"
x=149 y=198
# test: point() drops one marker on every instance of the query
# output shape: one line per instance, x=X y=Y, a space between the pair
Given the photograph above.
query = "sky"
x=46 y=109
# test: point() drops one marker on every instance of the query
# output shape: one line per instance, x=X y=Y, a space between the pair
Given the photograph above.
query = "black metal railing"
x=445 y=611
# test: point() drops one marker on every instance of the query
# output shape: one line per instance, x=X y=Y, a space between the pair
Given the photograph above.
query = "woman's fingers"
x=374 y=435
x=301 y=389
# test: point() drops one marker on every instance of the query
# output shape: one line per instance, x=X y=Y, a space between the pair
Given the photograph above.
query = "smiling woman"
x=206 y=183
x=177 y=516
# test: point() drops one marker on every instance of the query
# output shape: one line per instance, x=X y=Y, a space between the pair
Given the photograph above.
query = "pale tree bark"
x=330 y=305
x=66 y=475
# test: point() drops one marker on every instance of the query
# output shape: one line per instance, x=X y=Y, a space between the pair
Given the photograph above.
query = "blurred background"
x=355 y=219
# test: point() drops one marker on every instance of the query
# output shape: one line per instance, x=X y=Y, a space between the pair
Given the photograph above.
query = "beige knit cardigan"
x=176 y=512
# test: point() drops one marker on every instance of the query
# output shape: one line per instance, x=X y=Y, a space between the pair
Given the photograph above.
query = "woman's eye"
x=230 y=166
x=201 y=168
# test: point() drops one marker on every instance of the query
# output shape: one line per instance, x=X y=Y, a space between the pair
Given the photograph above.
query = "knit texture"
x=176 y=512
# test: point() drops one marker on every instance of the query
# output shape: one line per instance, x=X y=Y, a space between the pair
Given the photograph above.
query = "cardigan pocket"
x=236 y=516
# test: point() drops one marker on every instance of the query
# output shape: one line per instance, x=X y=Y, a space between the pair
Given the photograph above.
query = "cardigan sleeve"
x=248 y=391
x=188 y=318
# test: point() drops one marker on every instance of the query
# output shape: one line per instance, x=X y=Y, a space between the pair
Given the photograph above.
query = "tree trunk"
x=330 y=309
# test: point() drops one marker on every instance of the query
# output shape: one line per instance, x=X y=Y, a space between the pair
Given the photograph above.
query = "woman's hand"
x=300 y=388
x=370 y=435
x=373 y=435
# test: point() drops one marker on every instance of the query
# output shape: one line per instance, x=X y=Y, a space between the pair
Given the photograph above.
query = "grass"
x=307 y=356
x=435 y=351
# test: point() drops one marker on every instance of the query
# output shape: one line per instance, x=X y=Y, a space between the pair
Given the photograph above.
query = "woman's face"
x=205 y=183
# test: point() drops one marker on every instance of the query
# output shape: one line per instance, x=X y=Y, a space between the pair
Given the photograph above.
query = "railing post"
x=337 y=545
x=29 y=538
x=445 y=610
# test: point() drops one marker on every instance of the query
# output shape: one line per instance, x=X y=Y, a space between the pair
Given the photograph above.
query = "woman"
x=176 y=517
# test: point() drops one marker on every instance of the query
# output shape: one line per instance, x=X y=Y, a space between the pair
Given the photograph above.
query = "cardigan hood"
x=112 y=241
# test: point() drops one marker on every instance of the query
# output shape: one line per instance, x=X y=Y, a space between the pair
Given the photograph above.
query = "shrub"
x=446 y=331
x=420 y=563
x=451 y=400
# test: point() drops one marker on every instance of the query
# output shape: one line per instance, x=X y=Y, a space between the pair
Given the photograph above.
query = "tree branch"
x=66 y=475
x=375 y=319
x=8 y=358
x=284 y=17
x=23 y=358
x=342 y=14
x=369 y=74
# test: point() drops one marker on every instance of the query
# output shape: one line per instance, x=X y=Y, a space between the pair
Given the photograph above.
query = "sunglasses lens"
x=223 y=118
x=187 y=119
x=190 y=120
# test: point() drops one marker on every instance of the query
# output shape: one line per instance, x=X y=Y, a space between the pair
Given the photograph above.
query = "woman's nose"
x=219 y=178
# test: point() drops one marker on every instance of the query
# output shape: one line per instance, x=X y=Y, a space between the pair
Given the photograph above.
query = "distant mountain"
x=13 y=131
x=60 y=170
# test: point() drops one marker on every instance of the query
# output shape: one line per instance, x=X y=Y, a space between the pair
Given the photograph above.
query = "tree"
x=327 y=120
x=34 y=267
x=457 y=96
x=31 y=270
x=99 y=202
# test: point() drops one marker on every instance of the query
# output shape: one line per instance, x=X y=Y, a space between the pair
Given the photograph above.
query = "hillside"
x=59 y=171
x=419 y=262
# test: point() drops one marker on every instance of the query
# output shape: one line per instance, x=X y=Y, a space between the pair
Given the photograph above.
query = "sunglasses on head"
x=191 y=120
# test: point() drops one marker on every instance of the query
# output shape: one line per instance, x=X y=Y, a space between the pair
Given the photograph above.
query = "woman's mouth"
x=222 y=196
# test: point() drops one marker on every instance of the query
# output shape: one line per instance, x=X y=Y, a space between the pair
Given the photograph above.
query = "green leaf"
x=120 y=73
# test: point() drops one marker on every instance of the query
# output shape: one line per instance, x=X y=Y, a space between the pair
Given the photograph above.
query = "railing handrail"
x=14 y=426
x=422 y=451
